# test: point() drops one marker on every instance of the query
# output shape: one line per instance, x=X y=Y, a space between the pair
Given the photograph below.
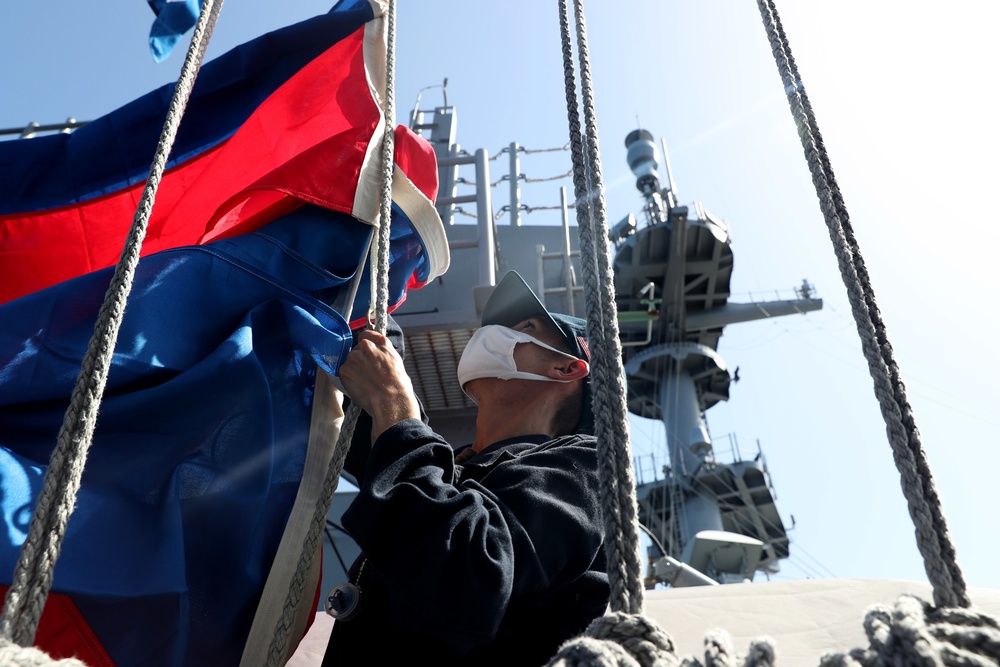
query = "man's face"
x=536 y=359
x=547 y=356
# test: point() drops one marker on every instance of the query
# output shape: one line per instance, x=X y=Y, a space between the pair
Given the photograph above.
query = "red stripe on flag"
x=64 y=633
x=306 y=142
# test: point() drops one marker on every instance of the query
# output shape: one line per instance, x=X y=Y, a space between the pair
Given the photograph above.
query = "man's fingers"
x=373 y=337
x=372 y=357
x=374 y=377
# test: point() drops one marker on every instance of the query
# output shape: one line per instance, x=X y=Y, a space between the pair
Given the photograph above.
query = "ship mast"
x=715 y=521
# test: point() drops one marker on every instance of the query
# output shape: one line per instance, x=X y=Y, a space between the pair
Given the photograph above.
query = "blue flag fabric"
x=202 y=433
x=173 y=19
x=201 y=437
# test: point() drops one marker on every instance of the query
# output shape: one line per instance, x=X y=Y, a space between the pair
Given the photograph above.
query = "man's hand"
x=374 y=377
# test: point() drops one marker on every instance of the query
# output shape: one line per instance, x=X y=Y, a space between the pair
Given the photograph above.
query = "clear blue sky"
x=906 y=102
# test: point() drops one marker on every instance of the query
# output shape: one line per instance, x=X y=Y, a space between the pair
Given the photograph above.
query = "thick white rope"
x=381 y=269
x=915 y=633
x=380 y=277
x=33 y=575
x=912 y=633
x=12 y=655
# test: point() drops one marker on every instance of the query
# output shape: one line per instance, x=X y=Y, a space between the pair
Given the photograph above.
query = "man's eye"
x=527 y=325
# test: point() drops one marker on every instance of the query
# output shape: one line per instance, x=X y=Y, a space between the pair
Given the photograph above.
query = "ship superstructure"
x=716 y=517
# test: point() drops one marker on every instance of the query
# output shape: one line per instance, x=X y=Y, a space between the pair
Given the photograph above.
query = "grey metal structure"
x=675 y=374
x=672 y=274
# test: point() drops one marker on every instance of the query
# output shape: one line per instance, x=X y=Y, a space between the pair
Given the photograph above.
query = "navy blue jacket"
x=495 y=561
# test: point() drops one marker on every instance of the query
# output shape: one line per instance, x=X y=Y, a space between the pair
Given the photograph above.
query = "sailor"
x=491 y=554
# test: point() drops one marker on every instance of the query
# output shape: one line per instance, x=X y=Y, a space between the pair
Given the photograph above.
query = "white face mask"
x=490 y=354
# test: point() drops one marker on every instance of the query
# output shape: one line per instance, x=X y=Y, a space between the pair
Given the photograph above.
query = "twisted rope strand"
x=918 y=485
x=914 y=442
x=610 y=375
x=913 y=632
x=380 y=277
x=32 y=578
x=875 y=315
x=610 y=501
x=388 y=148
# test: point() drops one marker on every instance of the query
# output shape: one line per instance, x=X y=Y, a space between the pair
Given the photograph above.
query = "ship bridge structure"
x=672 y=284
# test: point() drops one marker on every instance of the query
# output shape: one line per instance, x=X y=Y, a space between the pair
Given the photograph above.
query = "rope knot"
x=14 y=655
x=914 y=633
x=619 y=640
x=719 y=652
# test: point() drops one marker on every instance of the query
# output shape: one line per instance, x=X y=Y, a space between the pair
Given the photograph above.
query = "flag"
x=173 y=19
x=262 y=222
x=262 y=133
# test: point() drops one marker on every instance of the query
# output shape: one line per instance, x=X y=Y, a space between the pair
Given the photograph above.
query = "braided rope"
x=296 y=591
x=629 y=640
x=913 y=442
x=608 y=385
x=923 y=502
x=718 y=652
x=33 y=575
x=610 y=373
x=381 y=276
x=910 y=634
x=915 y=633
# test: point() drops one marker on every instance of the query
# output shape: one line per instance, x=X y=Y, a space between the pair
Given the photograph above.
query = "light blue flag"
x=173 y=19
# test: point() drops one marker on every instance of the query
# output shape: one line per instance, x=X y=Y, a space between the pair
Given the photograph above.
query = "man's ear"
x=569 y=370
